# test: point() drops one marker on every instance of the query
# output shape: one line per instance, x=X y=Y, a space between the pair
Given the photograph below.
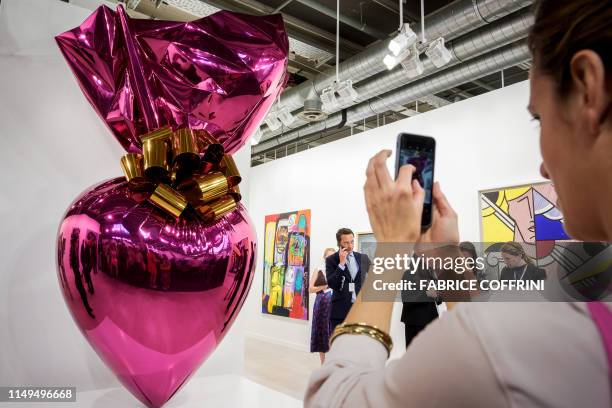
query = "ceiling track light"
x=413 y=65
x=399 y=47
x=285 y=115
x=273 y=122
x=256 y=137
x=339 y=94
x=391 y=61
x=278 y=117
x=438 y=53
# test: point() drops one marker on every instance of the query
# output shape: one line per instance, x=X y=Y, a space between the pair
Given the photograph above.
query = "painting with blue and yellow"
x=527 y=214
x=286 y=264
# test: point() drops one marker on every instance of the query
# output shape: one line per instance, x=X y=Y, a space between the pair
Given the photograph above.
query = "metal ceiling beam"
x=461 y=93
x=389 y=5
x=296 y=28
x=393 y=6
x=483 y=85
x=349 y=21
x=282 y=6
x=434 y=101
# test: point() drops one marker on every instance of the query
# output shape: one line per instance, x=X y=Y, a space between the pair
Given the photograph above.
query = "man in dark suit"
x=346 y=271
x=419 y=307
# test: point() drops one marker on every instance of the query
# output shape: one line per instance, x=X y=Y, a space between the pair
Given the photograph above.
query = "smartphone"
x=420 y=151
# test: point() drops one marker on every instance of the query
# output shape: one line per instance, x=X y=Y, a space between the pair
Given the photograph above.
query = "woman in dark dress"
x=319 y=337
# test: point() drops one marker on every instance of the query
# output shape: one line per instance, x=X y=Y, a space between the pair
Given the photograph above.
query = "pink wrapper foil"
x=221 y=73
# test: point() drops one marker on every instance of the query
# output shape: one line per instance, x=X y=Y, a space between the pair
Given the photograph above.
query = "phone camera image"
x=422 y=158
x=419 y=151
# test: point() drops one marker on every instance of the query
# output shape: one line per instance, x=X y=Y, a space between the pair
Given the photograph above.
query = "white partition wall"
x=483 y=142
x=52 y=147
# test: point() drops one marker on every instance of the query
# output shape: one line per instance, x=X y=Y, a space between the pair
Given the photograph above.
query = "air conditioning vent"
x=313 y=111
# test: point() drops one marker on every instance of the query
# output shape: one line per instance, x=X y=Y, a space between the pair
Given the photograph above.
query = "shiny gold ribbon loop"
x=184 y=141
x=223 y=206
x=168 y=200
x=186 y=159
x=184 y=146
x=155 y=152
x=212 y=186
x=229 y=168
x=132 y=166
x=215 y=210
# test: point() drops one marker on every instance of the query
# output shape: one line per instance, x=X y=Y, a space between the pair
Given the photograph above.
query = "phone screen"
x=420 y=152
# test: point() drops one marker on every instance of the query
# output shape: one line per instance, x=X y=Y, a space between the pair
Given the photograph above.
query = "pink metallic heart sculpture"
x=154 y=295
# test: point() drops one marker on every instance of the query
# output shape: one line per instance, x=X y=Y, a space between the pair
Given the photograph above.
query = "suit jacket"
x=532 y=273
x=339 y=280
x=418 y=309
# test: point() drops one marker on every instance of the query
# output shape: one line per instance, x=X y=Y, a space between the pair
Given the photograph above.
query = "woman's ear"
x=592 y=102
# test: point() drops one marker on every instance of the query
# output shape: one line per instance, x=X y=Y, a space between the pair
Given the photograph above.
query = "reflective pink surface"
x=221 y=73
x=153 y=296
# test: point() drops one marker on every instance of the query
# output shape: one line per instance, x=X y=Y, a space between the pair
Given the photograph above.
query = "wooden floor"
x=281 y=368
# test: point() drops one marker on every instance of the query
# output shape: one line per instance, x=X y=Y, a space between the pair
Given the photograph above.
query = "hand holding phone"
x=394 y=207
x=343 y=253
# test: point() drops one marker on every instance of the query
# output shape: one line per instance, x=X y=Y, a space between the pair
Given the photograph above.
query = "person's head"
x=514 y=255
x=468 y=250
x=345 y=238
x=328 y=252
x=571 y=96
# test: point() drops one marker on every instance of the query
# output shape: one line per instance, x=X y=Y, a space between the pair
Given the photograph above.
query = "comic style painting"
x=529 y=214
x=286 y=264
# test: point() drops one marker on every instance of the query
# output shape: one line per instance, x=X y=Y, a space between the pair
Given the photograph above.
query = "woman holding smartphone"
x=519 y=354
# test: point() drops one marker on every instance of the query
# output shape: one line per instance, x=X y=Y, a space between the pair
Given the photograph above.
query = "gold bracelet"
x=363 y=328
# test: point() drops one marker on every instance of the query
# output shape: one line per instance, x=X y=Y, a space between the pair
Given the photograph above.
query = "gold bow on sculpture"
x=171 y=170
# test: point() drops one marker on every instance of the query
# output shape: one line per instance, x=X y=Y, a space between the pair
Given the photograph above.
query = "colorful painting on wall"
x=529 y=215
x=524 y=214
x=366 y=244
x=286 y=264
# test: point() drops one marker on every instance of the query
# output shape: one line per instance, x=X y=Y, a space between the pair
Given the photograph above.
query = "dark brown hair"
x=343 y=231
x=564 y=27
x=468 y=247
x=516 y=249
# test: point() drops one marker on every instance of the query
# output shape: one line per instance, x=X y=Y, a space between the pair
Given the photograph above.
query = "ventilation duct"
x=512 y=28
x=495 y=61
x=451 y=21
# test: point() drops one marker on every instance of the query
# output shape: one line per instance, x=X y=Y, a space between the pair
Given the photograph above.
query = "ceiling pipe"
x=510 y=29
x=451 y=21
x=492 y=62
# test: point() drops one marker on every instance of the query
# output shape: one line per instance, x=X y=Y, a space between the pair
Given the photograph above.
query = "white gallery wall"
x=52 y=147
x=483 y=142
